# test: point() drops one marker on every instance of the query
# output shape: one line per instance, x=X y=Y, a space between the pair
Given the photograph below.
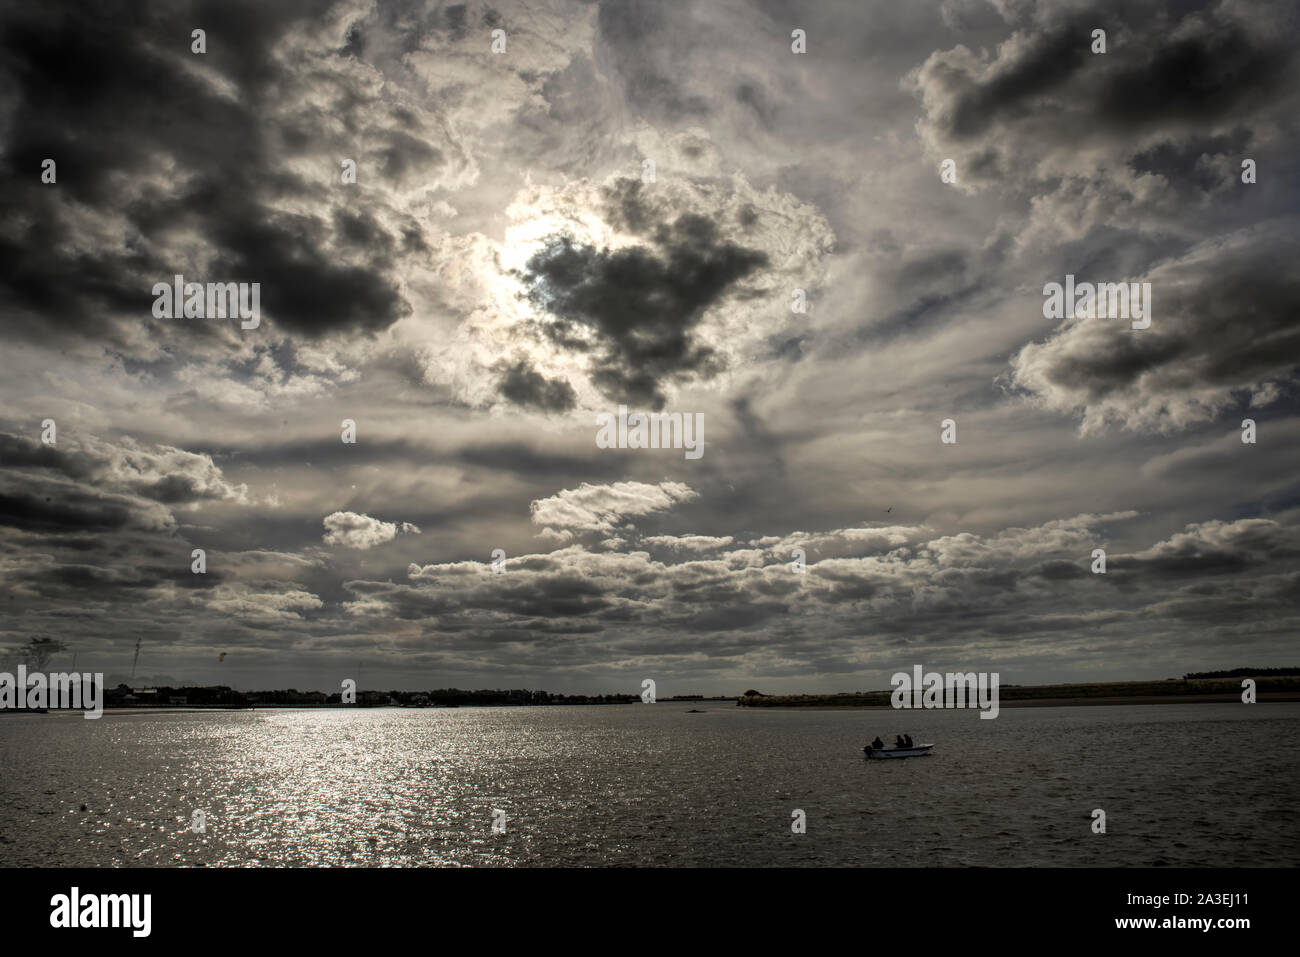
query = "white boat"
x=913 y=752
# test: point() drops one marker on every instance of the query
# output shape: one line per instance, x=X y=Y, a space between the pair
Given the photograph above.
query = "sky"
x=561 y=208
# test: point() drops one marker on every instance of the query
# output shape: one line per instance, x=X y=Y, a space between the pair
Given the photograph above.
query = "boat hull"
x=914 y=752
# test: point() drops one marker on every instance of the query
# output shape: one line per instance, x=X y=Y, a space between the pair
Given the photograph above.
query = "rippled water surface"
x=653 y=785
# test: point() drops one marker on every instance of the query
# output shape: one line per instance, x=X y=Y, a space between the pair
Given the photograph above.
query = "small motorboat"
x=916 y=751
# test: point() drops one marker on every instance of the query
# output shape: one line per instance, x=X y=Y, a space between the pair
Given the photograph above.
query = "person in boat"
x=877 y=744
x=907 y=739
x=899 y=742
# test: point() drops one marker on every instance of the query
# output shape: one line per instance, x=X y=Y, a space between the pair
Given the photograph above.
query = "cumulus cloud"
x=266 y=602
x=603 y=508
x=688 y=543
x=353 y=530
x=161 y=473
x=234 y=175
x=1043 y=114
x=1222 y=334
x=1012 y=590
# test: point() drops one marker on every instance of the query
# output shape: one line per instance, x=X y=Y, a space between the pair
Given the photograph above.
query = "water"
x=653 y=785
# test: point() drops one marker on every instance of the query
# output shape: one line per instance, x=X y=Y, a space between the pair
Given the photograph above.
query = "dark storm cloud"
x=1219 y=331
x=109 y=95
x=641 y=302
x=1204 y=70
x=1198 y=163
x=17 y=451
x=1179 y=92
x=1048 y=63
x=1217 y=548
x=66 y=510
x=87 y=538
x=525 y=386
x=304 y=287
x=107 y=583
x=159 y=473
x=89 y=564
x=1110 y=151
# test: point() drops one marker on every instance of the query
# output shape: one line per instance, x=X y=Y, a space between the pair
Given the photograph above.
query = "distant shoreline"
x=1278 y=697
x=1274 y=697
x=1268 y=688
x=1170 y=691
